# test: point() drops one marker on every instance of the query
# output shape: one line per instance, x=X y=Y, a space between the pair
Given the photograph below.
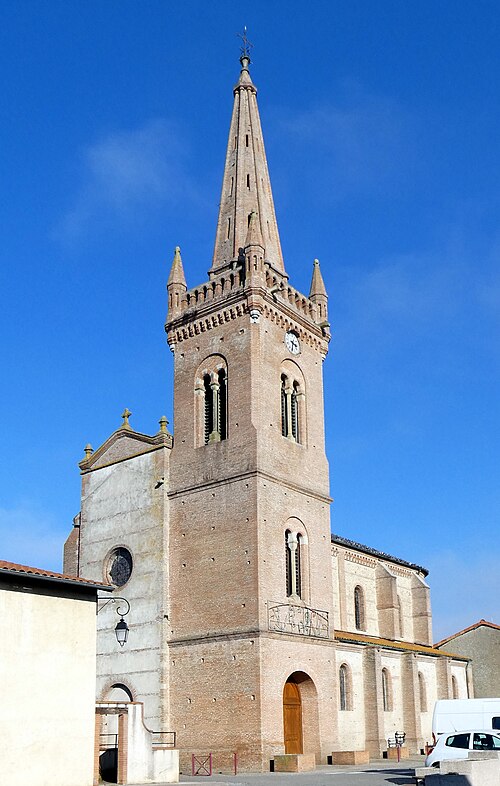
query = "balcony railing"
x=300 y=620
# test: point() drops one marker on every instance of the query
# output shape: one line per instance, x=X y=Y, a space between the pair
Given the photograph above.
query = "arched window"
x=284 y=406
x=290 y=409
x=293 y=545
x=386 y=691
x=222 y=402
x=288 y=564
x=211 y=388
x=454 y=687
x=359 y=608
x=345 y=687
x=422 y=692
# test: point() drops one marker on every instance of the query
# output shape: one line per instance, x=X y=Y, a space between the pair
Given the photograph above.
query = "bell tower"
x=250 y=585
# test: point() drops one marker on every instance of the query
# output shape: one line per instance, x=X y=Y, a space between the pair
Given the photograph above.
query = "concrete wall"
x=123 y=505
x=482 y=644
x=47 y=674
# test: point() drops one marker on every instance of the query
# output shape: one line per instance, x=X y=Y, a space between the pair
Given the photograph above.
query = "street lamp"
x=121 y=629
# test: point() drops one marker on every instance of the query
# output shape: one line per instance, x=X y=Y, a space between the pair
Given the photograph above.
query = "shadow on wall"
x=108 y=765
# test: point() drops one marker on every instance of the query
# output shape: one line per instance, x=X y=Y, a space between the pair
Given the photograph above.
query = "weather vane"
x=246 y=45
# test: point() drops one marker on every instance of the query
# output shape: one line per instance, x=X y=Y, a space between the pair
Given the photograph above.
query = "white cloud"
x=31 y=536
x=366 y=142
x=126 y=172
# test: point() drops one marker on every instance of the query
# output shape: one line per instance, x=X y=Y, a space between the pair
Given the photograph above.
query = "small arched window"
x=359 y=608
x=454 y=687
x=293 y=545
x=211 y=397
x=290 y=409
x=345 y=687
x=386 y=691
x=422 y=692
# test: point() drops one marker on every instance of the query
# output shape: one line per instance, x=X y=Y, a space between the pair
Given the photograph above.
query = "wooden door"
x=292 y=718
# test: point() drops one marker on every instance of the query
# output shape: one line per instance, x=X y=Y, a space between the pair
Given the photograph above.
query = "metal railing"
x=165 y=739
x=299 y=620
x=110 y=742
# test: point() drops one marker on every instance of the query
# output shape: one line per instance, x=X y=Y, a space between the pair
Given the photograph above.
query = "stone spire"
x=246 y=186
x=176 y=285
x=318 y=293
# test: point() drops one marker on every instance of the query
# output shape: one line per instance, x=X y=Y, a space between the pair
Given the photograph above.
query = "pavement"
x=379 y=772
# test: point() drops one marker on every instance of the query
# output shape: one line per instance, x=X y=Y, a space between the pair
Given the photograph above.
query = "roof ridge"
x=341 y=541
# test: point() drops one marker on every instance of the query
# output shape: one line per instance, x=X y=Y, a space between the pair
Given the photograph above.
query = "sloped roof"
x=481 y=623
x=362 y=638
x=352 y=544
x=26 y=570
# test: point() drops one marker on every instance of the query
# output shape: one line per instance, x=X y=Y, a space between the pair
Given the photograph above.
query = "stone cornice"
x=250 y=474
x=212 y=312
x=144 y=444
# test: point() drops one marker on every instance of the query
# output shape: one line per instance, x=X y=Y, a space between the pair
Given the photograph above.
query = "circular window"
x=119 y=567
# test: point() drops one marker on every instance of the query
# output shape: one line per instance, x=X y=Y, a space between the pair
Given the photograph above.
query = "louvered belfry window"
x=295 y=412
x=292 y=562
x=215 y=406
x=222 y=403
x=290 y=413
x=284 y=407
x=209 y=409
x=288 y=564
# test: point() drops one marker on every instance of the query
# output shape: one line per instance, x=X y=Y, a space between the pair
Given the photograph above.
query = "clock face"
x=292 y=343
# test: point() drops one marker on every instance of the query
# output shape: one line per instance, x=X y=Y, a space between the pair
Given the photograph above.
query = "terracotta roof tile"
x=362 y=638
x=14 y=567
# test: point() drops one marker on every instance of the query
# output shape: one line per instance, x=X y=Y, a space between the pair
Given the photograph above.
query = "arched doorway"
x=300 y=715
x=292 y=718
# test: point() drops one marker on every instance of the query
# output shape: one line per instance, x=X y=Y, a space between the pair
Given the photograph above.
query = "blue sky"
x=381 y=125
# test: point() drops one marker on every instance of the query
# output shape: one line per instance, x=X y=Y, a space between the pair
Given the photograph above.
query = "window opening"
x=386 y=690
x=458 y=741
x=293 y=568
x=222 y=400
x=246 y=140
x=284 y=407
x=295 y=412
x=359 y=609
x=290 y=409
x=228 y=227
x=344 y=687
x=119 y=566
x=209 y=414
x=248 y=182
x=288 y=564
x=215 y=406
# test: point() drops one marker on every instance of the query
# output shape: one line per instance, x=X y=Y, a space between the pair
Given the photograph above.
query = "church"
x=253 y=630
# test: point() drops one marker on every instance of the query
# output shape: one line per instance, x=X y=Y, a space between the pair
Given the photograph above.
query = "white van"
x=461 y=714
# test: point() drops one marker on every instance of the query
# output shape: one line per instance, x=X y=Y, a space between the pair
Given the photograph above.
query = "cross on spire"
x=126 y=414
x=246 y=45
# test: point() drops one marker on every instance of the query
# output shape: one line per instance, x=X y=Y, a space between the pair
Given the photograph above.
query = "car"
x=459 y=744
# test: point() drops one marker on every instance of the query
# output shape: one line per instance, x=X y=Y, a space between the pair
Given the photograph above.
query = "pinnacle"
x=254 y=234
x=317 y=283
x=177 y=271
